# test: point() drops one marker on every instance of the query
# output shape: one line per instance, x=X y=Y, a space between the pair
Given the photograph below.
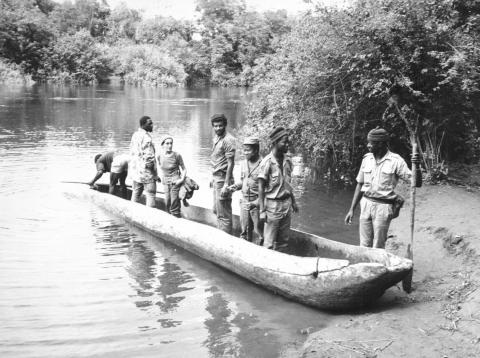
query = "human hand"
x=349 y=217
x=179 y=182
x=295 y=207
x=232 y=187
x=224 y=192
x=94 y=186
x=263 y=217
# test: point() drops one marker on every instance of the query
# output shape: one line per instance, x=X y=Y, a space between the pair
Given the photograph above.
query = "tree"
x=342 y=72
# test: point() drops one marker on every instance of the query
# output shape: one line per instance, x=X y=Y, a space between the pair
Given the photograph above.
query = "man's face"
x=283 y=144
x=148 y=126
x=375 y=147
x=249 y=151
x=219 y=128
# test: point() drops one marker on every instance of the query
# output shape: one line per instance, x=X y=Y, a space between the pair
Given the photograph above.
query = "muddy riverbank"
x=441 y=317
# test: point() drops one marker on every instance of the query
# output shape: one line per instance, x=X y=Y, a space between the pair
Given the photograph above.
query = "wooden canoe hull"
x=327 y=274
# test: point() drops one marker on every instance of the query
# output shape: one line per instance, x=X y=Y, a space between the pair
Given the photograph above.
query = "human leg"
x=137 y=190
x=365 y=223
x=283 y=234
x=123 y=186
x=381 y=224
x=114 y=177
x=244 y=217
x=175 y=200
x=168 y=198
x=257 y=225
x=223 y=208
x=150 y=192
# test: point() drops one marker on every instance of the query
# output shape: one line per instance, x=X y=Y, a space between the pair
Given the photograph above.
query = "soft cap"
x=251 y=140
x=378 y=135
x=277 y=133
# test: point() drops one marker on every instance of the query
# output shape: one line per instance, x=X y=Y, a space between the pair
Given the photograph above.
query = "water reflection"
x=76 y=282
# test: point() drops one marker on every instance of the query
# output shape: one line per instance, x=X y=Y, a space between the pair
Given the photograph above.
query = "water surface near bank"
x=75 y=281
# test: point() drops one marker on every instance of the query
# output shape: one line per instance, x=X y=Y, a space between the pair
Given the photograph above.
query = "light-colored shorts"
x=120 y=163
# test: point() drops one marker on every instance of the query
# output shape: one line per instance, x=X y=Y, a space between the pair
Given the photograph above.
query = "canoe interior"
x=301 y=243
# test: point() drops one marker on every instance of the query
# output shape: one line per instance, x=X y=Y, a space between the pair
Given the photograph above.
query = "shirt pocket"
x=367 y=175
x=386 y=176
x=274 y=180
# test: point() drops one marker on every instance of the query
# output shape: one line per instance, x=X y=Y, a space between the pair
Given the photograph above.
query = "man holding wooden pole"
x=375 y=191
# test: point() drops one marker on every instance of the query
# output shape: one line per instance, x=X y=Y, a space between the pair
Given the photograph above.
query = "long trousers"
x=374 y=223
x=150 y=192
x=172 y=199
x=250 y=222
x=114 y=179
x=277 y=226
x=222 y=207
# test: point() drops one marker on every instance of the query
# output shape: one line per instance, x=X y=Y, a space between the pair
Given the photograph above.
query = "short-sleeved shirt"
x=104 y=162
x=277 y=179
x=142 y=152
x=223 y=149
x=249 y=179
x=170 y=166
x=379 y=178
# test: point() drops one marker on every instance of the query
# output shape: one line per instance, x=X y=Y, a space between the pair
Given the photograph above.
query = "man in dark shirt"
x=248 y=184
x=275 y=193
x=223 y=160
x=117 y=165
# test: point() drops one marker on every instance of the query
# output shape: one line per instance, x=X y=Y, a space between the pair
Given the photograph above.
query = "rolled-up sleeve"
x=229 y=147
x=403 y=171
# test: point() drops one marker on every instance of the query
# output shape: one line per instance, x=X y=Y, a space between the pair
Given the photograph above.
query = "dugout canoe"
x=315 y=271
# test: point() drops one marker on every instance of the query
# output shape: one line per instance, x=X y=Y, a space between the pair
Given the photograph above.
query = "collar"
x=387 y=156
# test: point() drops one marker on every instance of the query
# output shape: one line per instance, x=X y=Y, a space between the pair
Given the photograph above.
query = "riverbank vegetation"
x=85 y=41
x=330 y=75
x=408 y=66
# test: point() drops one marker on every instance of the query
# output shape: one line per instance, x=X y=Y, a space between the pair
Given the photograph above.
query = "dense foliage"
x=85 y=41
x=400 y=64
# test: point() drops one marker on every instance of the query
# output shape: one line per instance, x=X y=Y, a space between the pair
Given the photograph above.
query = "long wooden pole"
x=407 y=281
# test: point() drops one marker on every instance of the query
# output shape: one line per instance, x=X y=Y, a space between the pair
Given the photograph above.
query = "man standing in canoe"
x=223 y=161
x=249 y=170
x=143 y=167
x=275 y=193
x=117 y=165
x=376 y=182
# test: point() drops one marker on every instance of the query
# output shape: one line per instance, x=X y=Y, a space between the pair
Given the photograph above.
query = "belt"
x=280 y=199
x=379 y=200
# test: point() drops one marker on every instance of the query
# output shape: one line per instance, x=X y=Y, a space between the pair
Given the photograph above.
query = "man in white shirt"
x=143 y=166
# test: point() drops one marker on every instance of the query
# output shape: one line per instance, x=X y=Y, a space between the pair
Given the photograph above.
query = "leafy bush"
x=76 y=58
x=12 y=73
x=147 y=65
x=390 y=63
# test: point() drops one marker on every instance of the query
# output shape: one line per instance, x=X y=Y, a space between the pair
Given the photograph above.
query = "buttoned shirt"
x=249 y=179
x=223 y=149
x=277 y=179
x=142 y=152
x=379 y=178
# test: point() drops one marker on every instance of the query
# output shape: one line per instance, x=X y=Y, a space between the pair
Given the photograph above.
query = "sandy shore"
x=441 y=317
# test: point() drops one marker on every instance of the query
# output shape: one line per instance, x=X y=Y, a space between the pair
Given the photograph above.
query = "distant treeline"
x=86 y=41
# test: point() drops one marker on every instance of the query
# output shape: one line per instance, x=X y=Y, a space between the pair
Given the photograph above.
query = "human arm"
x=183 y=171
x=261 y=199
x=356 y=199
x=97 y=176
x=228 y=176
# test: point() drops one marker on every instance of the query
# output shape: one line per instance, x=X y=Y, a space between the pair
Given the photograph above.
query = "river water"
x=77 y=282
